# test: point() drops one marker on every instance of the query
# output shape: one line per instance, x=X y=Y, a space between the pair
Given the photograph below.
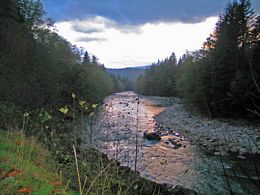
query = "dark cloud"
x=87 y=30
x=99 y=24
x=134 y=12
x=90 y=39
x=129 y=29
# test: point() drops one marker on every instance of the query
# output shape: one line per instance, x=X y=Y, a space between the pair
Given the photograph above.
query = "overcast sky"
x=125 y=33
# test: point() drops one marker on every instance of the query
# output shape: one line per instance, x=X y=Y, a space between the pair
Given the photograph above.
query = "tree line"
x=39 y=68
x=159 y=79
x=223 y=77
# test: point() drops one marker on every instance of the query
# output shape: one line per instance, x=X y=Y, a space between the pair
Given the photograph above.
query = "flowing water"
x=126 y=116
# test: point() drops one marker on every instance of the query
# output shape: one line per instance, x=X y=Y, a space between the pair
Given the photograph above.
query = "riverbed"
x=124 y=118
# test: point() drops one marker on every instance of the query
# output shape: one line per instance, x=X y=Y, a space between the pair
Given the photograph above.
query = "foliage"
x=39 y=68
x=8 y=115
x=34 y=169
x=129 y=73
x=42 y=76
x=159 y=79
x=193 y=77
x=221 y=79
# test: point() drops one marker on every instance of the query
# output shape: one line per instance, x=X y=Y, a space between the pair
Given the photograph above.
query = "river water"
x=126 y=116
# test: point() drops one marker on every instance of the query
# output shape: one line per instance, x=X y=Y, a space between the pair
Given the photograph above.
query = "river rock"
x=152 y=136
x=175 y=144
x=241 y=157
x=228 y=134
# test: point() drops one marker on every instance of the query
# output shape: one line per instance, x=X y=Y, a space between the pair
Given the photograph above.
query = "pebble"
x=241 y=157
x=210 y=133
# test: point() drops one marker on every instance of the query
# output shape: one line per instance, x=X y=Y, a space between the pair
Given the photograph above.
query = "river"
x=126 y=116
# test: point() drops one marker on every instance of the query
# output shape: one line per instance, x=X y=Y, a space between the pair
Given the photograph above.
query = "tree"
x=94 y=60
x=39 y=68
x=160 y=78
x=224 y=71
x=86 y=59
x=229 y=82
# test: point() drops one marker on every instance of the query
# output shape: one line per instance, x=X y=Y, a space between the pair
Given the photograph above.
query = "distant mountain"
x=131 y=72
x=141 y=67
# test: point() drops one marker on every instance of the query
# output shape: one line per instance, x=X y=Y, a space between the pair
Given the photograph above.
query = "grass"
x=26 y=167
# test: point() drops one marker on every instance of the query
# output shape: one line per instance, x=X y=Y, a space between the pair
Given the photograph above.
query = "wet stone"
x=241 y=157
x=152 y=136
x=150 y=152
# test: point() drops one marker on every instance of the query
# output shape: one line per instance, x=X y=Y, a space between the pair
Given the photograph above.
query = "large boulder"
x=152 y=136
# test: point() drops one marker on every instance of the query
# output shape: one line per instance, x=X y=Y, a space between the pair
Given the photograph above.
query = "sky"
x=128 y=33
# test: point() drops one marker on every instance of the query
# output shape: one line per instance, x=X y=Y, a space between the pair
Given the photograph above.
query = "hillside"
x=131 y=73
x=27 y=167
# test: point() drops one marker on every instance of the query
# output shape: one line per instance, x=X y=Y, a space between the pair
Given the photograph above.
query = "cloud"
x=136 y=32
x=89 y=39
x=136 y=12
x=87 y=30
x=98 y=24
x=117 y=48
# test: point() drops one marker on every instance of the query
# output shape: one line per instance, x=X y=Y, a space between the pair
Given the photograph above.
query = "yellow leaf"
x=82 y=103
x=94 y=106
x=64 y=110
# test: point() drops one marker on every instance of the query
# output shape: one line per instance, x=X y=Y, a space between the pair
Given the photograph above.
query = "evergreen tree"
x=160 y=78
x=86 y=59
x=225 y=73
x=38 y=67
x=94 y=60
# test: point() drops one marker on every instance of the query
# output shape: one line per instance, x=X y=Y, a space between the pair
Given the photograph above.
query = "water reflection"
x=124 y=120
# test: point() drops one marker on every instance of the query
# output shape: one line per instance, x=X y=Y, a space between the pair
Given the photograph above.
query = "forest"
x=47 y=85
x=53 y=93
x=39 y=68
x=222 y=78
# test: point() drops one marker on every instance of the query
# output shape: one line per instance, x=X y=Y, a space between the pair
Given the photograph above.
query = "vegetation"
x=221 y=79
x=43 y=76
x=46 y=92
x=47 y=88
x=130 y=73
x=27 y=167
x=159 y=79
x=39 y=68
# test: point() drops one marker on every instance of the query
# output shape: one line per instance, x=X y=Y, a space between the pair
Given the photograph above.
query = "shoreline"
x=216 y=136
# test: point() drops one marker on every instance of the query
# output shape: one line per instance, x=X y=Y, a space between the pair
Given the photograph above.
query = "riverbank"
x=214 y=135
x=27 y=167
x=175 y=159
